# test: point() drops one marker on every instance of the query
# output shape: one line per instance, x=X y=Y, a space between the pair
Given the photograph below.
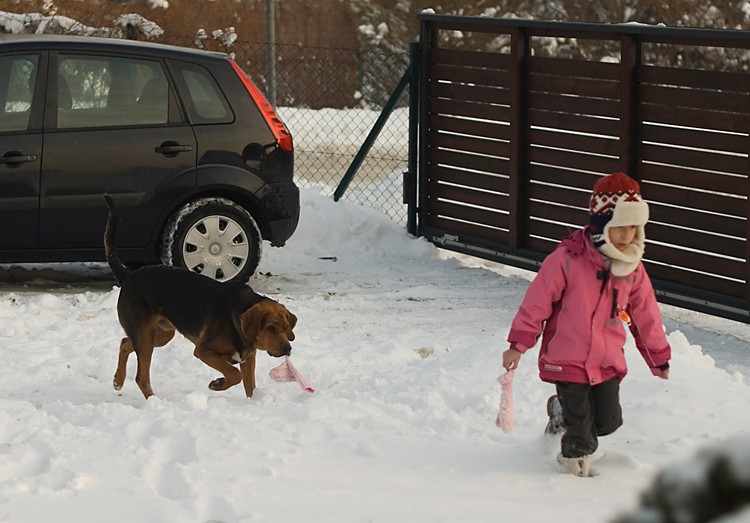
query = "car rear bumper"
x=282 y=230
x=282 y=205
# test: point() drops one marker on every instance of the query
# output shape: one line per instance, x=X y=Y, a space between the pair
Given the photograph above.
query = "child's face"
x=623 y=236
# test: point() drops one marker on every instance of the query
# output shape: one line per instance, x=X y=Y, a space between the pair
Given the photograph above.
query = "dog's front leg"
x=214 y=360
x=247 y=369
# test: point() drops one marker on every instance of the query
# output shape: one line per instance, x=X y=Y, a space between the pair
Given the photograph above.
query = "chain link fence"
x=330 y=100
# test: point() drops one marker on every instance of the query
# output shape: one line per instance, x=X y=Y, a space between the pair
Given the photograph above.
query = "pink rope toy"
x=505 y=415
x=287 y=372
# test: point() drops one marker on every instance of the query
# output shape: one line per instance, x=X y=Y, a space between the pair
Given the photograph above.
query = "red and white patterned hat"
x=616 y=201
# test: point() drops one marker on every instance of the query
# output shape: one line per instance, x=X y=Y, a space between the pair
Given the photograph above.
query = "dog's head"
x=268 y=326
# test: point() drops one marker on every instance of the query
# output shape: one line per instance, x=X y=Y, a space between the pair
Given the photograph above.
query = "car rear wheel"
x=214 y=237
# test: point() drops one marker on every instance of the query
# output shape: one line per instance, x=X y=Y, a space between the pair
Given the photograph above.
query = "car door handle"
x=172 y=148
x=16 y=157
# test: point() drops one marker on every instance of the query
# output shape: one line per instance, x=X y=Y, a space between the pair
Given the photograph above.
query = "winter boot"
x=556 y=424
x=575 y=466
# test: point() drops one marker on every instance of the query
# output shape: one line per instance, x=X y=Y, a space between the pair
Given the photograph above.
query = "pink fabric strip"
x=505 y=415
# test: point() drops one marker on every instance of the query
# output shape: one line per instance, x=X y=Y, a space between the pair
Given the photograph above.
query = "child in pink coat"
x=586 y=291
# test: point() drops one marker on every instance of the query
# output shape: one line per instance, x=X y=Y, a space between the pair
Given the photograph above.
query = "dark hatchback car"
x=196 y=159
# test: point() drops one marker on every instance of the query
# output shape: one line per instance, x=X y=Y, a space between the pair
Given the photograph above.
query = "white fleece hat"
x=615 y=202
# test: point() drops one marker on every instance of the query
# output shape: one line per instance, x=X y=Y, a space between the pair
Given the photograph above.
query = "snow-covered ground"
x=403 y=344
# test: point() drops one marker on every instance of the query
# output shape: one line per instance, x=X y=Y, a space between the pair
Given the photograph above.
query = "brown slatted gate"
x=512 y=141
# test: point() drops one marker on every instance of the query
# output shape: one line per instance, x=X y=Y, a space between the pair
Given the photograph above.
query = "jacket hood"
x=579 y=243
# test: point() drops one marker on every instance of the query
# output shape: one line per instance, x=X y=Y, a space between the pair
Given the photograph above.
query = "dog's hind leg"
x=126 y=348
x=158 y=333
x=143 y=375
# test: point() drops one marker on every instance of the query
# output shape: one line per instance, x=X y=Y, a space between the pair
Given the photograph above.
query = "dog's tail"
x=119 y=269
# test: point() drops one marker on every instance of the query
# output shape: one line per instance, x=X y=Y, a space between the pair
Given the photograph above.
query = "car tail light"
x=280 y=132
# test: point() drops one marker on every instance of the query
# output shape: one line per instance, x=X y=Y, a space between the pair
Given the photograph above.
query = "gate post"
x=519 y=48
x=411 y=175
x=630 y=58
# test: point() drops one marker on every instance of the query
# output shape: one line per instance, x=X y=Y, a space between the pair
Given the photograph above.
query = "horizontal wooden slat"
x=572 y=104
x=468 y=196
x=556 y=213
x=695 y=220
x=469 y=161
x=558 y=195
x=574 y=142
x=499 y=131
x=697 y=79
x=697 y=261
x=485 y=233
x=481 y=111
x=695 y=200
x=694 y=280
x=469 y=214
x=693 y=118
x=574 y=179
x=552 y=231
x=470 y=144
x=706 y=100
x=722 y=183
x=700 y=240
x=468 y=75
x=577 y=68
x=661 y=134
x=589 y=87
x=540 y=245
x=691 y=158
x=571 y=160
x=573 y=122
x=485 y=182
x=470 y=58
x=470 y=93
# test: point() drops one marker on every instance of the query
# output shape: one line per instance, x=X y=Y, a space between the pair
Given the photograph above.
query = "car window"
x=106 y=91
x=17 y=80
x=205 y=101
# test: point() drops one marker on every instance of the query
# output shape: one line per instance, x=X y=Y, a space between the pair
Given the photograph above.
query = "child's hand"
x=660 y=373
x=511 y=357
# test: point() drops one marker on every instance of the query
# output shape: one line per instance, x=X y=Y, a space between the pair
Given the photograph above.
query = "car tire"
x=214 y=237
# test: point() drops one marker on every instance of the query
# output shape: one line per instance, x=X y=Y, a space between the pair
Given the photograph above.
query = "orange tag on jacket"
x=625 y=317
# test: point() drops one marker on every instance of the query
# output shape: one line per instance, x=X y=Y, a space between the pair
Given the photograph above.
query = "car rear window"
x=17 y=80
x=108 y=91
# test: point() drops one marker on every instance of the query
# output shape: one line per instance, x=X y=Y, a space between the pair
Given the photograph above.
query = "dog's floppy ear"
x=292 y=319
x=250 y=323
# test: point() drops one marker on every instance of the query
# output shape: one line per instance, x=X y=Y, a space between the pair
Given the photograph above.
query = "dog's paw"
x=218 y=384
x=116 y=385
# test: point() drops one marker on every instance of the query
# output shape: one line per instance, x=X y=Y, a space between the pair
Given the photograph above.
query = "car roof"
x=81 y=43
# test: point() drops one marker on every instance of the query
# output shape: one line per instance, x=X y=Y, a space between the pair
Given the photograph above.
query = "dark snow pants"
x=588 y=411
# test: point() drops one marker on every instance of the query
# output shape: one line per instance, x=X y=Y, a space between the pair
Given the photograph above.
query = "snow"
x=402 y=343
x=18 y=23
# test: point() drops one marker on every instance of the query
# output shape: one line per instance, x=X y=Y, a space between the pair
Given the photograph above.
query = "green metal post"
x=372 y=136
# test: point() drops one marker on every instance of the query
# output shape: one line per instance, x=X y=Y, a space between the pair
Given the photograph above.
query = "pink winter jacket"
x=574 y=302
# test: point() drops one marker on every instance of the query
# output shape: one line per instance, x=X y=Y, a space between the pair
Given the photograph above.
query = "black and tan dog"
x=227 y=322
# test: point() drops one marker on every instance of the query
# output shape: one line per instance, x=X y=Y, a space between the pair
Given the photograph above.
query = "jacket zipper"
x=615 y=308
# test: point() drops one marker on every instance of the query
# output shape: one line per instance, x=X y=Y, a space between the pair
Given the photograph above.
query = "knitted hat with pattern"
x=615 y=202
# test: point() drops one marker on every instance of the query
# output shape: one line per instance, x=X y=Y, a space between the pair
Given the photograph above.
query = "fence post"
x=410 y=177
x=372 y=135
x=630 y=58
x=518 y=51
